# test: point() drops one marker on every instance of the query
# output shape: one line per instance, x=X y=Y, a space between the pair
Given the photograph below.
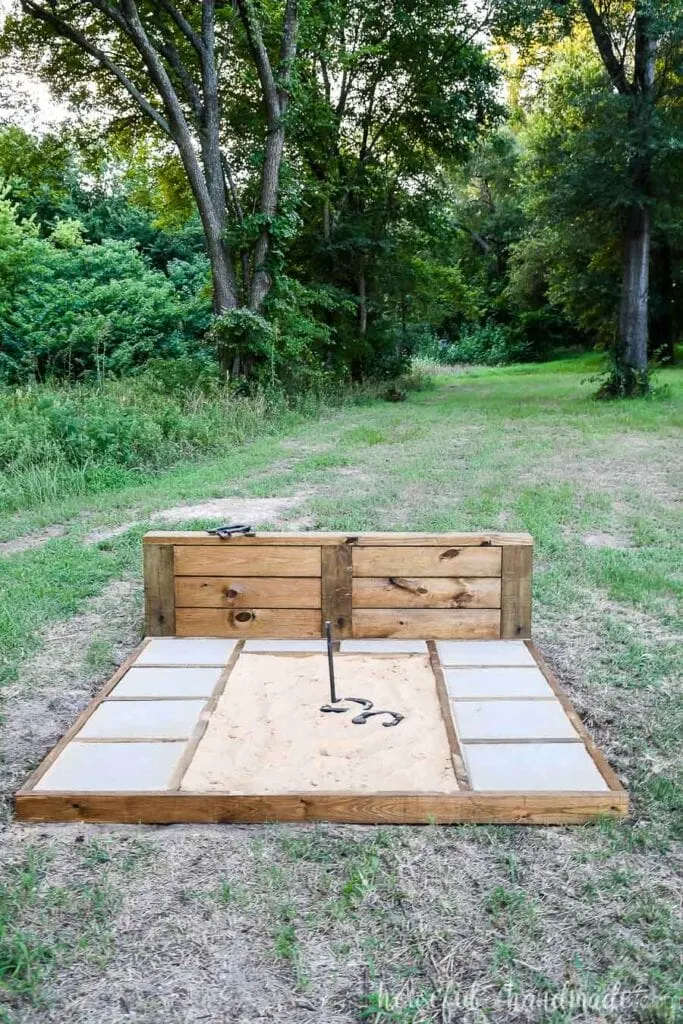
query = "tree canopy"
x=330 y=187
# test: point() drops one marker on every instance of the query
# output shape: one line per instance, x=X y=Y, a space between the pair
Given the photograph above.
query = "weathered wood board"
x=407 y=585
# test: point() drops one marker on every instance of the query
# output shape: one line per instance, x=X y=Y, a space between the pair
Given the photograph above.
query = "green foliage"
x=413 y=216
x=620 y=381
x=71 y=309
x=575 y=191
x=486 y=344
x=89 y=437
x=241 y=333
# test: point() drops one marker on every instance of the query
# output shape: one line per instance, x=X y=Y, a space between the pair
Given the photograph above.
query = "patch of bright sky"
x=24 y=100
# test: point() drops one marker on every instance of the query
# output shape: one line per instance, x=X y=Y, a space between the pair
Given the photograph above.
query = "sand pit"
x=268 y=735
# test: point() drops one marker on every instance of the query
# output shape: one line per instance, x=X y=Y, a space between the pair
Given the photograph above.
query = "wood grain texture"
x=158 y=566
x=516 y=572
x=426 y=592
x=198 y=537
x=336 y=590
x=271 y=623
x=85 y=714
x=247 y=592
x=384 y=808
x=457 y=759
x=433 y=623
x=426 y=561
x=594 y=751
x=235 y=560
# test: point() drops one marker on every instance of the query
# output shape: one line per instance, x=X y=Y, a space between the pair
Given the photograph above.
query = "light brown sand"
x=268 y=735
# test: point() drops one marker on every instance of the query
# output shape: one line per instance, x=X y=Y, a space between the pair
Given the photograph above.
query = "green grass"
x=397 y=924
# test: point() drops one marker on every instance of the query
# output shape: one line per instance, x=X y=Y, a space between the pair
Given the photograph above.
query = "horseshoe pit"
x=217 y=715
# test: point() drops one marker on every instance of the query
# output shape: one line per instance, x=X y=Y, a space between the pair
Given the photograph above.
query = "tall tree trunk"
x=635 y=286
x=261 y=280
x=362 y=300
x=276 y=100
x=630 y=376
x=633 y=319
x=202 y=180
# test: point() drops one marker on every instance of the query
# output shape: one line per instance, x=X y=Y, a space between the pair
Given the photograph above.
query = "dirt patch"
x=60 y=680
x=31 y=540
x=604 y=540
x=640 y=462
x=108 y=533
x=233 y=510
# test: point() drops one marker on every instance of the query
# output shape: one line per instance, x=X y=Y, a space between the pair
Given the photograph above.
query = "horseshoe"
x=362 y=718
x=367 y=704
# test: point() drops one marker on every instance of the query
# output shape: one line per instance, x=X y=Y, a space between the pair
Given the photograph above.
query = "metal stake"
x=330 y=662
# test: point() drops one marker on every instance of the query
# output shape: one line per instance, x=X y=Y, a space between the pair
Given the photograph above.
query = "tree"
x=621 y=40
x=390 y=92
x=168 y=63
x=639 y=46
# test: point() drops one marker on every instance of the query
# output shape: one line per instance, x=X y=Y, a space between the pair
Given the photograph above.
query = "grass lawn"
x=342 y=924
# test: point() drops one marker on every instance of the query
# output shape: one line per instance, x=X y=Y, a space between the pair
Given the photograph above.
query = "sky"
x=23 y=99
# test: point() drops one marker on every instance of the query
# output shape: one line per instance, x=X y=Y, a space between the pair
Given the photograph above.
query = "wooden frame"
x=464 y=806
x=368 y=585
x=286 y=585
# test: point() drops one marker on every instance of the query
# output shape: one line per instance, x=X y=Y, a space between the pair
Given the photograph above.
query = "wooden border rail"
x=286 y=585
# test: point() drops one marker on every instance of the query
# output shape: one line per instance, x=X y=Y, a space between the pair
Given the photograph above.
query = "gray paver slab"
x=142 y=719
x=100 y=767
x=171 y=650
x=167 y=682
x=534 y=767
x=519 y=681
x=484 y=652
x=512 y=720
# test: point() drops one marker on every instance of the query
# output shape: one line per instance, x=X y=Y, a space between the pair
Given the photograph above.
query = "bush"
x=487 y=344
x=72 y=310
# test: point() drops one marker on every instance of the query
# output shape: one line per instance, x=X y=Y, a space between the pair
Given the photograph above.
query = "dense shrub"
x=71 y=309
x=487 y=344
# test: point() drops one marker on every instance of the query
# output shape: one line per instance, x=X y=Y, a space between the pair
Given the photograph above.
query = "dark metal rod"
x=330 y=662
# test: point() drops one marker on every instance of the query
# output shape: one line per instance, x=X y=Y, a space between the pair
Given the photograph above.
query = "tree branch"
x=182 y=23
x=474 y=235
x=261 y=59
x=170 y=51
x=603 y=41
x=67 y=31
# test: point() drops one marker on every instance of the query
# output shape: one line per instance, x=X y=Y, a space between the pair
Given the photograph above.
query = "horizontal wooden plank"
x=427 y=623
x=244 y=561
x=426 y=592
x=199 y=537
x=247 y=592
x=426 y=561
x=382 y=808
x=275 y=623
x=439 y=539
